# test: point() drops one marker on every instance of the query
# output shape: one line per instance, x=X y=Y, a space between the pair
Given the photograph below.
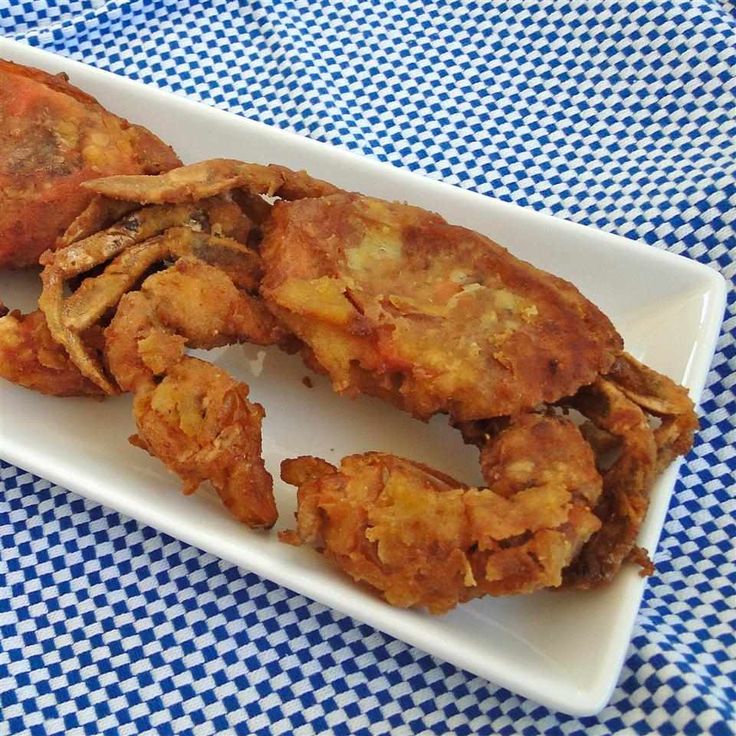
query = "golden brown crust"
x=189 y=304
x=421 y=538
x=392 y=300
x=30 y=357
x=141 y=241
x=199 y=422
x=53 y=137
x=630 y=453
x=389 y=300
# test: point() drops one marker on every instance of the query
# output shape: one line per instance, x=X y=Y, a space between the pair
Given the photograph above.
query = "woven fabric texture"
x=619 y=115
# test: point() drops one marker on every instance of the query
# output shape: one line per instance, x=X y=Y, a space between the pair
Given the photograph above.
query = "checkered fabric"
x=615 y=114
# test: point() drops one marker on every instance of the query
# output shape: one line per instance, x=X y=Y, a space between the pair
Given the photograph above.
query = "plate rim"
x=576 y=701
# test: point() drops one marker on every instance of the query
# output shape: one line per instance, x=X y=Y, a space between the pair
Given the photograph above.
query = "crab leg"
x=199 y=422
x=190 y=304
x=190 y=183
x=190 y=414
x=626 y=483
x=208 y=178
x=96 y=295
x=241 y=264
x=30 y=357
x=85 y=254
x=619 y=406
x=662 y=397
x=99 y=214
x=300 y=185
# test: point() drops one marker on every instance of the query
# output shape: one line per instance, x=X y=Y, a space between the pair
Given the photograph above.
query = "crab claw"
x=421 y=538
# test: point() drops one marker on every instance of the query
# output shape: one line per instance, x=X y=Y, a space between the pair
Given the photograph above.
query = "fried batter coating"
x=191 y=415
x=208 y=178
x=199 y=422
x=99 y=214
x=661 y=397
x=53 y=137
x=190 y=304
x=30 y=357
x=391 y=300
x=136 y=243
x=190 y=212
x=190 y=183
x=423 y=539
x=619 y=405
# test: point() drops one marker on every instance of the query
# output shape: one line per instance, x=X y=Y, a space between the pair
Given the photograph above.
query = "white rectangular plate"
x=564 y=650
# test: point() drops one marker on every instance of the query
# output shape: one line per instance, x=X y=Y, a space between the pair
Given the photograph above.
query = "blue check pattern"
x=620 y=115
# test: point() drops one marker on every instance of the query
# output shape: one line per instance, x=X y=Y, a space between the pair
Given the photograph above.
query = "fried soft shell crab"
x=385 y=299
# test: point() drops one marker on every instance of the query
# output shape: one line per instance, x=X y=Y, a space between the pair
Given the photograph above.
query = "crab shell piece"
x=391 y=300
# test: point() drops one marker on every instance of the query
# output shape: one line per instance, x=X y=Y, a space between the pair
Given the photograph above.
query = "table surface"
x=618 y=115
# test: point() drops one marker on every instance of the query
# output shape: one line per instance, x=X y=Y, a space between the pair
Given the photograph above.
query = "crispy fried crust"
x=137 y=243
x=421 y=538
x=53 y=137
x=189 y=183
x=190 y=414
x=620 y=407
x=189 y=304
x=391 y=300
x=199 y=422
x=30 y=357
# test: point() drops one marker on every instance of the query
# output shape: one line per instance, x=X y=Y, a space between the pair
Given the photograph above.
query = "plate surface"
x=564 y=650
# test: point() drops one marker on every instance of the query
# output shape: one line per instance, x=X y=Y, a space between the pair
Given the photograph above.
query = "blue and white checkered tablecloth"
x=621 y=115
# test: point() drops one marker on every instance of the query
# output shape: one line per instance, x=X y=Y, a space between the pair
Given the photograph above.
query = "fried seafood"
x=190 y=414
x=391 y=300
x=621 y=407
x=133 y=246
x=558 y=512
x=53 y=137
x=388 y=300
x=191 y=304
x=199 y=422
x=30 y=357
x=424 y=539
x=191 y=218
x=190 y=183
x=208 y=178
x=162 y=263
